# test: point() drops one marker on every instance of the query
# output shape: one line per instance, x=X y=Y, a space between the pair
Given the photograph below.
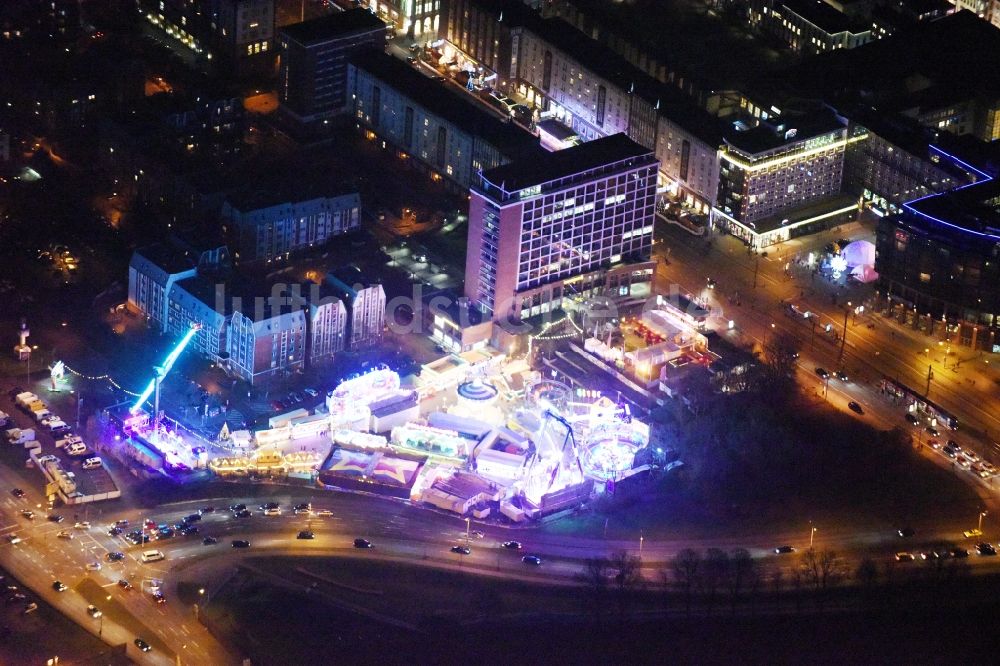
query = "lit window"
x=263 y=46
x=249 y=49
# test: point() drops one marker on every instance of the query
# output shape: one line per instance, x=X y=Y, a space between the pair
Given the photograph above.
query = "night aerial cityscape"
x=499 y=331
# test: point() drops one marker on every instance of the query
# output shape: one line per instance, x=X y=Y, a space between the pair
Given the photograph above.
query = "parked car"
x=913 y=420
x=209 y=541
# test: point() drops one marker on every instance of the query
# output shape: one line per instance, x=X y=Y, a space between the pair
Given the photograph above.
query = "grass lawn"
x=863 y=489
x=38 y=636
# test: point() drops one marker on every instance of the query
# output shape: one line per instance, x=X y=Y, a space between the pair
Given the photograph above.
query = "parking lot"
x=91 y=484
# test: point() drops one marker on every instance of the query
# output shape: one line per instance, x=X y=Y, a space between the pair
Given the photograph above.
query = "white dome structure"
x=859 y=253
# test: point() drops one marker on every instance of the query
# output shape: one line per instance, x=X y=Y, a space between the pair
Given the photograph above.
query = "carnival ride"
x=574 y=440
x=349 y=403
x=477 y=399
x=161 y=371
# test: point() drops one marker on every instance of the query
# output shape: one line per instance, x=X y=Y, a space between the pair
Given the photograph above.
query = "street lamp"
x=467 y=524
x=980 y=527
x=843 y=340
x=641 y=538
x=812 y=533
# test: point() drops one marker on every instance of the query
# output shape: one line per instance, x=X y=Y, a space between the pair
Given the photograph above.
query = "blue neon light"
x=167 y=364
x=985 y=179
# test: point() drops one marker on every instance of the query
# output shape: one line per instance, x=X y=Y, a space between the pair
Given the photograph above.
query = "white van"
x=55 y=424
x=76 y=449
x=18 y=436
x=41 y=415
x=92 y=463
x=152 y=556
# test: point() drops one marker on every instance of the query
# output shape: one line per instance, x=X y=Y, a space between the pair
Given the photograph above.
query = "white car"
x=13 y=539
x=323 y=513
x=82 y=525
x=273 y=512
x=94 y=612
x=69 y=441
x=93 y=566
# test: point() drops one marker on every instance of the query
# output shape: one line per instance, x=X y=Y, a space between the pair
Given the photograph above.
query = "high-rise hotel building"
x=574 y=223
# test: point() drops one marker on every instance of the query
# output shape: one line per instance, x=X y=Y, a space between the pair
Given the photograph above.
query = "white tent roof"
x=864 y=274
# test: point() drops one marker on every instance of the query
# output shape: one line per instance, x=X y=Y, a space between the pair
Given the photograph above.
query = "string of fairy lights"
x=543 y=335
x=98 y=378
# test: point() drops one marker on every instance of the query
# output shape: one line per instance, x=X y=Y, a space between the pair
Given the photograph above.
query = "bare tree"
x=779 y=357
x=831 y=569
x=740 y=569
x=627 y=577
x=867 y=573
x=715 y=569
x=594 y=577
x=822 y=570
x=686 y=569
x=797 y=582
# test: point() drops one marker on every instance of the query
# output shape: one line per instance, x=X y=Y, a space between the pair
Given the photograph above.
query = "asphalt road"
x=970 y=391
x=399 y=532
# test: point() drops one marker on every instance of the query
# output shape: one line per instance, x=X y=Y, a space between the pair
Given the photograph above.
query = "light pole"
x=467 y=523
x=812 y=533
x=843 y=340
x=980 y=527
x=766 y=331
x=641 y=538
